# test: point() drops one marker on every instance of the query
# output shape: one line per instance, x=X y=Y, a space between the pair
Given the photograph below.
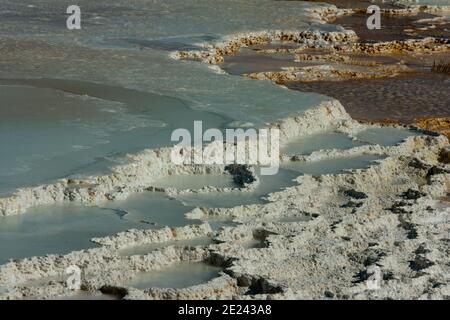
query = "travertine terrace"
x=387 y=215
x=324 y=237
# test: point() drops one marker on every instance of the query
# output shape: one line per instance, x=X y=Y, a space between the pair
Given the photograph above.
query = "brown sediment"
x=249 y=61
x=427 y=45
x=420 y=100
x=444 y=157
x=281 y=62
x=328 y=73
x=389 y=82
x=441 y=125
x=397 y=27
x=345 y=59
x=216 y=53
x=357 y=4
x=394 y=86
x=397 y=22
x=387 y=7
x=398 y=74
x=441 y=68
x=402 y=99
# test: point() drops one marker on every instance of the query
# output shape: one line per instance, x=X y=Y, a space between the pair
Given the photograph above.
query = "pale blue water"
x=152 y=209
x=323 y=141
x=386 y=136
x=267 y=184
x=178 y=276
x=125 y=47
x=59 y=229
x=196 y=181
x=51 y=129
x=111 y=89
x=56 y=229
x=147 y=248
x=332 y=166
x=133 y=93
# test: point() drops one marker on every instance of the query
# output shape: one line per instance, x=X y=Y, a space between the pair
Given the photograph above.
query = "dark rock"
x=352 y=204
x=409 y=227
x=428 y=132
x=398 y=208
x=416 y=163
x=444 y=156
x=262 y=286
x=388 y=275
x=241 y=174
x=116 y=291
x=373 y=256
x=421 y=250
x=355 y=194
x=334 y=224
x=411 y=194
x=412 y=232
x=367 y=257
x=420 y=263
x=329 y=294
x=361 y=276
x=435 y=170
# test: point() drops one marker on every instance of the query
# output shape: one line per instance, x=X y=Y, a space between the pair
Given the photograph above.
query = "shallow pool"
x=178 y=276
x=56 y=229
x=146 y=248
x=331 y=166
x=268 y=184
x=322 y=141
x=196 y=181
